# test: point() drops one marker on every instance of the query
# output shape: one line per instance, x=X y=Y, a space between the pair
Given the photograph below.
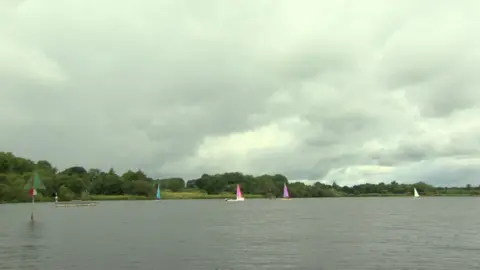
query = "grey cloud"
x=147 y=85
x=440 y=172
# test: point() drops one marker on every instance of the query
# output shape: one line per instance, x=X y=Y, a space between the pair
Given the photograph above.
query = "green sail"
x=34 y=182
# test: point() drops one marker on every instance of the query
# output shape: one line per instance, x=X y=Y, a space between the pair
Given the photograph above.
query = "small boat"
x=239 y=196
x=415 y=193
x=75 y=204
x=158 y=193
x=286 y=196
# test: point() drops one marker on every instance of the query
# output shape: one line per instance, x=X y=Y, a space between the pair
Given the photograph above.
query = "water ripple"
x=379 y=233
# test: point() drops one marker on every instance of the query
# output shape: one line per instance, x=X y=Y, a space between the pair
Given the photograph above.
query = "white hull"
x=235 y=200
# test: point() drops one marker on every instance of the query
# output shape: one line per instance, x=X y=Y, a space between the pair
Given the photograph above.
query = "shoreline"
x=200 y=196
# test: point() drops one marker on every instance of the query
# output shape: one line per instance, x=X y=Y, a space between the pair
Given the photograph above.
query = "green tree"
x=65 y=194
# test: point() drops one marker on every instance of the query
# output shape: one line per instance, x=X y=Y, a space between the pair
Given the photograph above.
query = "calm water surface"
x=328 y=234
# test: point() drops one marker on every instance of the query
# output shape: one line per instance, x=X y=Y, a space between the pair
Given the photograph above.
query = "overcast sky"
x=346 y=91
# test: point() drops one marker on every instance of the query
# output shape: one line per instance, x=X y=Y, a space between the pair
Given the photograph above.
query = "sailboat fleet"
x=238 y=198
x=35 y=184
x=286 y=196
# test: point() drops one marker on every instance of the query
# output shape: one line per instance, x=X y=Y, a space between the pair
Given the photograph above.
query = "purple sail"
x=285 y=191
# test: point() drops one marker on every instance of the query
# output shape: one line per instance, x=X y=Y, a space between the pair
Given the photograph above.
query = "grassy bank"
x=195 y=194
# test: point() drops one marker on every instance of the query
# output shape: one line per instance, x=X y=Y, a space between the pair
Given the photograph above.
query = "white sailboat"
x=415 y=193
x=239 y=197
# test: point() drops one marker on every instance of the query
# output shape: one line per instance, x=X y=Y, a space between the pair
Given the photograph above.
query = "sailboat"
x=32 y=185
x=239 y=196
x=158 y=193
x=415 y=193
x=286 y=196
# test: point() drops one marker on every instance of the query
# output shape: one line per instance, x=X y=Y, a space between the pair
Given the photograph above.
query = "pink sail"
x=239 y=193
x=285 y=191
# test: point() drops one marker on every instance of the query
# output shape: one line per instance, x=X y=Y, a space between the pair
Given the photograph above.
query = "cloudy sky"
x=346 y=91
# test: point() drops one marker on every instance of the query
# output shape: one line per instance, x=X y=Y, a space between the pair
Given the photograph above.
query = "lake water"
x=323 y=234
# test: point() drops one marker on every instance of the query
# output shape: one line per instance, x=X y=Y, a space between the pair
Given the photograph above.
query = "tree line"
x=74 y=182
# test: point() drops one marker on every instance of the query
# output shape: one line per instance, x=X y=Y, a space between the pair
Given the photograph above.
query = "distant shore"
x=411 y=195
x=188 y=196
x=20 y=176
x=202 y=196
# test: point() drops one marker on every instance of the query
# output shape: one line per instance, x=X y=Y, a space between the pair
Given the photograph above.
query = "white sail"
x=415 y=193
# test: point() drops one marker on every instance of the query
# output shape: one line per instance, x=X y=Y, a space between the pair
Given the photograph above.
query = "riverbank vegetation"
x=94 y=184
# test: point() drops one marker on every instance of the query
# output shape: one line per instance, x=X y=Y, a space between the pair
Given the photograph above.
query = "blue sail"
x=158 y=192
